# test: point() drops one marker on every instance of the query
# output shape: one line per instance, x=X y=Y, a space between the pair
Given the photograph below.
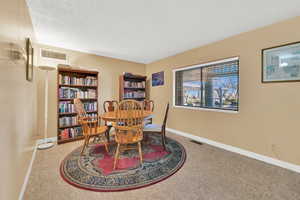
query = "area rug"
x=94 y=170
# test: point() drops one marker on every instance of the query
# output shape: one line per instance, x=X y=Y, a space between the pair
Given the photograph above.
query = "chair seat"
x=152 y=128
x=147 y=121
x=99 y=130
x=149 y=117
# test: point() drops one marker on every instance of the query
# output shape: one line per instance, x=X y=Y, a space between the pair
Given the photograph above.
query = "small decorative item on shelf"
x=281 y=63
x=132 y=86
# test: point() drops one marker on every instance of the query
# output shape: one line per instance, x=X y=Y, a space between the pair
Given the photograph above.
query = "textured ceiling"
x=148 y=30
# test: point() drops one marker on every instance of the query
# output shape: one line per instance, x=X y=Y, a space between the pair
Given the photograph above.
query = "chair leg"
x=107 y=133
x=164 y=132
x=140 y=152
x=94 y=140
x=106 y=144
x=106 y=147
x=145 y=138
x=163 y=140
x=116 y=156
x=86 y=139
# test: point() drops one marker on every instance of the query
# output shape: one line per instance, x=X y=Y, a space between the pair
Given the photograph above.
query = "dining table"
x=111 y=116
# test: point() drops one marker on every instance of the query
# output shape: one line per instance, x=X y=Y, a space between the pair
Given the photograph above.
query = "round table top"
x=111 y=116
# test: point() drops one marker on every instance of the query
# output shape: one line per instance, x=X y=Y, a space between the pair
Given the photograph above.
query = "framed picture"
x=158 y=79
x=29 y=62
x=281 y=63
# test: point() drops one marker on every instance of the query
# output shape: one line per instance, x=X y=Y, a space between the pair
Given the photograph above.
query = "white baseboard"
x=22 y=192
x=243 y=152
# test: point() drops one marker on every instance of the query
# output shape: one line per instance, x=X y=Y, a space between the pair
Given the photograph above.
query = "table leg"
x=107 y=133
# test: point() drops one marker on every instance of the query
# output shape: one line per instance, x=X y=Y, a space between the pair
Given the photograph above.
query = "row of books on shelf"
x=133 y=84
x=68 y=121
x=69 y=133
x=68 y=107
x=134 y=94
x=72 y=120
x=72 y=80
x=70 y=93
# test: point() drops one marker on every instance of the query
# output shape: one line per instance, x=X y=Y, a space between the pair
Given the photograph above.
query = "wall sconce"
x=12 y=52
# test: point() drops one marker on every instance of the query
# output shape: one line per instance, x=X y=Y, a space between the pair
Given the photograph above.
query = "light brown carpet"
x=208 y=174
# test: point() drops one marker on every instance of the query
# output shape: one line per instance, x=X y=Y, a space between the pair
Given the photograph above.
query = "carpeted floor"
x=208 y=174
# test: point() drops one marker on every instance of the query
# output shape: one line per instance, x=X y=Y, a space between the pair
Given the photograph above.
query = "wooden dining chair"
x=91 y=126
x=159 y=128
x=109 y=106
x=149 y=106
x=129 y=128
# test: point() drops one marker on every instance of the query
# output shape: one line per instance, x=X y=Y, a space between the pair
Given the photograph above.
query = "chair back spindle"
x=79 y=108
x=149 y=105
x=110 y=106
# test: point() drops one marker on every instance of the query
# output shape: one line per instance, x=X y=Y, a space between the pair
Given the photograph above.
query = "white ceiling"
x=148 y=30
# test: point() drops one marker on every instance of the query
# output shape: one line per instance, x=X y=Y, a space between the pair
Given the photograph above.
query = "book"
x=134 y=84
x=71 y=93
x=134 y=94
x=68 y=80
x=68 y=107
x=68 y=133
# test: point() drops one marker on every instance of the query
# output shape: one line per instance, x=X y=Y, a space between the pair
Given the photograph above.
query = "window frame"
x=207 y=64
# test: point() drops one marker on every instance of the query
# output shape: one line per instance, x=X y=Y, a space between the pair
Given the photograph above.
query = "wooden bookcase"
x=72 y=83
x=132 y=86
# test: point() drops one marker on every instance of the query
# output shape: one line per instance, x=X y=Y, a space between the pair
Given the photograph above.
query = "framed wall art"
x=158 y=78
x=281 y=63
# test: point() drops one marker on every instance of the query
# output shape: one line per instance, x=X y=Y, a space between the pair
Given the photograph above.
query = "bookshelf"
x=132 y=86
x=74 y=83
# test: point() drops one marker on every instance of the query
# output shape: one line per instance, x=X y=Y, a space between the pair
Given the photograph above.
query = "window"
x=212 y=85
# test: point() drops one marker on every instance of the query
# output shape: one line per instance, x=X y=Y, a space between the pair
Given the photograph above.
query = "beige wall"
x=268 y=120
x=17 y=99
x=109 y=71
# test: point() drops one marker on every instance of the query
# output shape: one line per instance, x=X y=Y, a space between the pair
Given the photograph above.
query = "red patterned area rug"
x=94 y=170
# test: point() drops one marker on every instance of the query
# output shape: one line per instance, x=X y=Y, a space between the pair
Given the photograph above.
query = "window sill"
x=207 y=109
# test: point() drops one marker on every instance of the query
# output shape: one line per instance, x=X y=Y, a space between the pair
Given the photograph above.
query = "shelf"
x=71 y=126
x=93 y=85
x=86 y=99
x=134 y=97
x=134 y=88
x=70 y=139
x=74 y=113
x=77 y=71
x=78 y=86
x=135 y=79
